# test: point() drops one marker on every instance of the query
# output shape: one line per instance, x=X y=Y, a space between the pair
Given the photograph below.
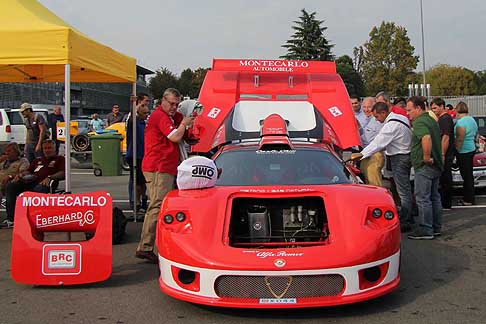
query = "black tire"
x=124 y=164
x=97 y=172
x=81 y=143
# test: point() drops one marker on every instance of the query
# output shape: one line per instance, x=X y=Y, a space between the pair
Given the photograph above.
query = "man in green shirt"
x=426 y=156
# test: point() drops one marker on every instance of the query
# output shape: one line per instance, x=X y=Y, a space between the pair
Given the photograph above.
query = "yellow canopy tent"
x=38 y=46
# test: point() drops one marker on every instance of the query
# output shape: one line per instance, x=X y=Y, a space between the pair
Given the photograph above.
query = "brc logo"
x=203 y=171
x=62 y=259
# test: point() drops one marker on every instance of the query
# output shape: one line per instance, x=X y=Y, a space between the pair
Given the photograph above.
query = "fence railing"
x=475 y=104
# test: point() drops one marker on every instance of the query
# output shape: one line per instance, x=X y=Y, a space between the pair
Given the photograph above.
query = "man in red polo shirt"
x=165 y=129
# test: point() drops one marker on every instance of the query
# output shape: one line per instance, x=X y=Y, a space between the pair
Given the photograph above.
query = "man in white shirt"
x=395 y=138
x=371 y=167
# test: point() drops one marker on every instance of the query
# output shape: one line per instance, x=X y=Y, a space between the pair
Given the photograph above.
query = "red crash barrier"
x=37 y=262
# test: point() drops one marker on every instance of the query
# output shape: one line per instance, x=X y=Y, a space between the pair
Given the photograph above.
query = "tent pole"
x=134 y=151
x=67 y=124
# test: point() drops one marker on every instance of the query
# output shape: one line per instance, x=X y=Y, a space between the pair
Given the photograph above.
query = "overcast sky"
x=180 y=34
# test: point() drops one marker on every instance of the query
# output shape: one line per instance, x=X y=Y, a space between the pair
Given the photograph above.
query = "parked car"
x=79 y=129
x=481 y=121
x=5 y=128
x=479 y=171
x=287 y=224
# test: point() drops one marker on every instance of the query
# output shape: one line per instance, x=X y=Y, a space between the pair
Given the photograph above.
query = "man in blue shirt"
x=96 y=123
x=358 y=112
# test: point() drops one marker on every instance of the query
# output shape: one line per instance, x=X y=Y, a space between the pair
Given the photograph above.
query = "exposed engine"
x=278 y=222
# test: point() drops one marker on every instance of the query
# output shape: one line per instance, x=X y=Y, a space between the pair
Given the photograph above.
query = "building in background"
x=86 y=98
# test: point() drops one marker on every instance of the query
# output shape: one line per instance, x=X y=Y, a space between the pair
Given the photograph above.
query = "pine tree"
x=308 y=41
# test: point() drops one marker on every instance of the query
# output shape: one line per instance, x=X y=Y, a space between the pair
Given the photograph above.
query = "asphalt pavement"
x=442 y=281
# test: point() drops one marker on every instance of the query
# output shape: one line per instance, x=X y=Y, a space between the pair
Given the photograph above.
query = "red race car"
x=287 y=224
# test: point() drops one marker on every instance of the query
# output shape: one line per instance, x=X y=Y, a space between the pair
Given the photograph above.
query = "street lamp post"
x=423 y=47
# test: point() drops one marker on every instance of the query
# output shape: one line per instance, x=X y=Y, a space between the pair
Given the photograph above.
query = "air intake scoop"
x=274 y=134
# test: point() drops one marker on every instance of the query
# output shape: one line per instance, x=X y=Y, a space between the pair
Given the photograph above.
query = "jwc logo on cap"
x=202 y=171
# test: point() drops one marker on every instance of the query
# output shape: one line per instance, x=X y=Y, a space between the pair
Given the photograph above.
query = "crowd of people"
x=411 y=135
x=396 y=138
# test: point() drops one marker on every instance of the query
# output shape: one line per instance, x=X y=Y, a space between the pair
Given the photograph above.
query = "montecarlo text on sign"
x=273 y=65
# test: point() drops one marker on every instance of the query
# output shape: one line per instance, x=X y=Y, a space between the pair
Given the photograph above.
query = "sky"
x=180 y=34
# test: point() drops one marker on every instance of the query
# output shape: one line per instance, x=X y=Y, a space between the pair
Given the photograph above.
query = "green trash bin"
x=106 y=154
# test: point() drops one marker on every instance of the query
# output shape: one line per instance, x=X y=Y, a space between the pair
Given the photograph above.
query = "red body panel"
x=229 y=79
x=37 y=262
x=352 y=241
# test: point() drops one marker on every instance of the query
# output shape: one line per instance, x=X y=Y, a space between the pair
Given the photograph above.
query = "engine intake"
x=278 y=222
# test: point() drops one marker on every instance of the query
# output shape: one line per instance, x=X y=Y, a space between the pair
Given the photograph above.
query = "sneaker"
x=420 y=235
x=147 y=255
x=437 y=233
x=141 y=209
x=6 y=224
x=464 y=203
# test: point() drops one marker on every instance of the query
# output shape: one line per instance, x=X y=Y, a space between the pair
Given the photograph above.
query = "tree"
x=446 y=80
x=197 y=80
x=387 y=60
x=184 y=84
x=162 y=80
x=481 y=82
x=352 y=79
x=308 y=41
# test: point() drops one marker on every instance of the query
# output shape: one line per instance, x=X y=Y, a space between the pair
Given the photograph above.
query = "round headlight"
x=168 y=219
x=377 y=213
x=180 y=216
x=389 y=215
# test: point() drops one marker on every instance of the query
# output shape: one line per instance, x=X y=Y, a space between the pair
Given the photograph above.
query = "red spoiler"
x=232 y=81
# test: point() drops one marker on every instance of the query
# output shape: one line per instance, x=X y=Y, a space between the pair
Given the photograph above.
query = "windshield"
x=248 y=167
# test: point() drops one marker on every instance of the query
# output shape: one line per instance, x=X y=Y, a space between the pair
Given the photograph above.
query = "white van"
x=5 y=128
x=14 y=130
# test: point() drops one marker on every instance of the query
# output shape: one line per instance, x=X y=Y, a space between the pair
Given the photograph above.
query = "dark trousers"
x=465 y=164
x=446 y=184
x=13 y=189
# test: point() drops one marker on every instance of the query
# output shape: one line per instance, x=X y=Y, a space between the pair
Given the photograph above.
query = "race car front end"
x=218 y=261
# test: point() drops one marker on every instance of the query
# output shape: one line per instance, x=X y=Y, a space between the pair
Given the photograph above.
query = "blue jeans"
x=428 y=199
x=401 y=165
x=30 y=153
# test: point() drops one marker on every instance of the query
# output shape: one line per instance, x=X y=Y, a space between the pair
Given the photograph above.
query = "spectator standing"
x=465 y=132
x=36 y=132
x=37 y=178
x=451 y=111
x=426 y=156
x=358 y=111
x=165 y=129
x=394 y=138
x=95 y=124
x=446 y=126
x=142 y=114
x=371 y=167
x=52 y=119
x=400 y=102
x=115 y=116
x=382 y=96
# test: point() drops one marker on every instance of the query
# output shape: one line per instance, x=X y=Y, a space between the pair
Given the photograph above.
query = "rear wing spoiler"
x=316 y=82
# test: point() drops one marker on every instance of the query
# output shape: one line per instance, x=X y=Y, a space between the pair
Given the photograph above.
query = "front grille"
x=279 y=286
